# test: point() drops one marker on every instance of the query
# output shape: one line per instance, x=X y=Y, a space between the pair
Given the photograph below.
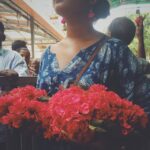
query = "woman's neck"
x=80 y=29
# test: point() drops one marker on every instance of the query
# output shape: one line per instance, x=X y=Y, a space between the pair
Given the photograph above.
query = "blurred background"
x=36 y=22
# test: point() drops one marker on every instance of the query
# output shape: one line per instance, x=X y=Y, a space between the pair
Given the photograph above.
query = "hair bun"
x=101 y=9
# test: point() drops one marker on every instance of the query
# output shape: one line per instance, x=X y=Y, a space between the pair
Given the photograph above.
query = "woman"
x=62 y=62
x=114 y=66
x=66 y=58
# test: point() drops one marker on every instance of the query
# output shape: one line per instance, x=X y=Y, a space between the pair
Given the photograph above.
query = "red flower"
x=73 y=108
x=29 y=92
x=20 y=105
x=5 y=102
x=69 y=112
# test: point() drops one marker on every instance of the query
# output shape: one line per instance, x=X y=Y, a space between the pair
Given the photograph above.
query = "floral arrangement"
x=21 y=106
x=72 y=114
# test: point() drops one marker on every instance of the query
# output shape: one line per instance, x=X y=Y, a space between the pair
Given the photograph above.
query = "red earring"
x=91 y=14
x=63 y=21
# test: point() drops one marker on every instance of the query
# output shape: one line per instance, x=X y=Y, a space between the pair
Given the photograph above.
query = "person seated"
x=124 y=29
x=21 y=47
x=11 y=63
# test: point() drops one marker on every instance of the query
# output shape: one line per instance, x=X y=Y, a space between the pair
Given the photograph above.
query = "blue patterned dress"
x=114 y=66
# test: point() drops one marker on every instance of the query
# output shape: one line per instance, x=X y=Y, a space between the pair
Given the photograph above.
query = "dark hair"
x=19 y=44
x=122 y=28
x=101 y=9
x=2 y=35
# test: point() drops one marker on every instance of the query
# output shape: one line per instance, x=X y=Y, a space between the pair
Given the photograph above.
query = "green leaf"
x=44 y=99
x=97 y=129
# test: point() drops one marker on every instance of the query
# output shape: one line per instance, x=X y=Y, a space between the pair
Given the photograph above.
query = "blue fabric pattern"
x=115 y=66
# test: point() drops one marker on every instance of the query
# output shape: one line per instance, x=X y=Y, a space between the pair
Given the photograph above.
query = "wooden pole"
x=32 y=35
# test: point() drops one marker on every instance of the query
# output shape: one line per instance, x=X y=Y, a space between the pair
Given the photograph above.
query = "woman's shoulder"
x=118 y=50
x=117 y=46
x=47 y=51
x=114 y=42
x=50 y=50
x=53 y=48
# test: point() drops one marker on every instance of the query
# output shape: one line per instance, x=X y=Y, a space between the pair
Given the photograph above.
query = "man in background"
x=124 y=29
x=21 y=47
x=11 y=63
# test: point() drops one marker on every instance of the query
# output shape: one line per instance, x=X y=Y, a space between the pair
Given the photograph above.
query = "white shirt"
x=12 y=60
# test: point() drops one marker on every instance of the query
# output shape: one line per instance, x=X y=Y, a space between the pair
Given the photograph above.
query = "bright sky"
x=45 y=9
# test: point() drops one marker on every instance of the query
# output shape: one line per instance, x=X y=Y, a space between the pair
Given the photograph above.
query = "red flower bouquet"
x=75 y=110
x=21 y=106
x=72 y=114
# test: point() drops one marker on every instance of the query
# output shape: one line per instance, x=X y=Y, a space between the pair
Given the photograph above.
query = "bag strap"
x=101 y=43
